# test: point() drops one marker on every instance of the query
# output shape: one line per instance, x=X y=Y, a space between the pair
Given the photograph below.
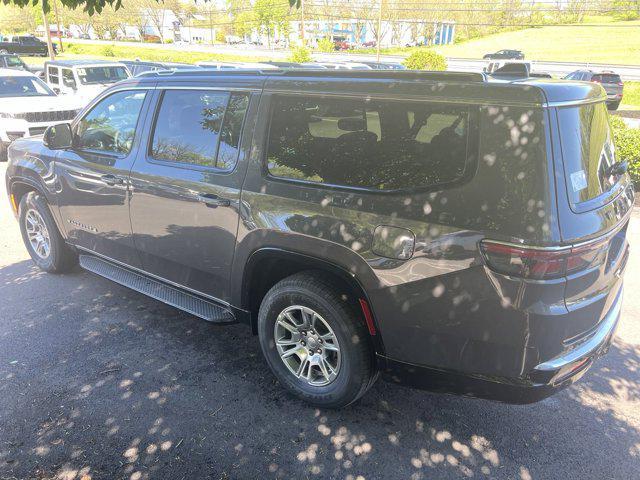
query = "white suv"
x=83 y=78
x=28 y=106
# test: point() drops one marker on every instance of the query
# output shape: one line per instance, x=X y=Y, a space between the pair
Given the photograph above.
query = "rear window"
x=587 y=151
x=366 y=143
x=606 y=78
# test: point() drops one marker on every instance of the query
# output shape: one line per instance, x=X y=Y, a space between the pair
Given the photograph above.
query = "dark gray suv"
x=448 y=230
x=610 y=81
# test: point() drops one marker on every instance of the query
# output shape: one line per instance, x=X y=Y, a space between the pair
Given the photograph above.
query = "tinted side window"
x=199 y=127
x=188 y=126
x=382 y=145
x=110 y=125
x=587 y=151
x=231 y=131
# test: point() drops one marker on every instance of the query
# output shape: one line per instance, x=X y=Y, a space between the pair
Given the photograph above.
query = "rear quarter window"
x=368 y=143
x=587 y=151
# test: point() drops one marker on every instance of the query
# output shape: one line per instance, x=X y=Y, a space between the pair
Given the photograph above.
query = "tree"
x=80 y=18
x=108 y=23
x=244 y=23
x=90 y=6
x=271 y=15
x=16 y=19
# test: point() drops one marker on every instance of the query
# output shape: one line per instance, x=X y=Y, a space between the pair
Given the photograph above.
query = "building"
x=361 y=32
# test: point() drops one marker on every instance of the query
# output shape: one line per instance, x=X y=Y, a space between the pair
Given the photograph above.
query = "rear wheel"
x=315 y=342
x=41 y=236
x=613 y=105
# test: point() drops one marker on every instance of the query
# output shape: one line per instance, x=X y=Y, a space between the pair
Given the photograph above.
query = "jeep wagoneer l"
x=451 y=231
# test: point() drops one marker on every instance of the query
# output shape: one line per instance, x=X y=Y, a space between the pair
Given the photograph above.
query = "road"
x=99 y=382
x=557 y=69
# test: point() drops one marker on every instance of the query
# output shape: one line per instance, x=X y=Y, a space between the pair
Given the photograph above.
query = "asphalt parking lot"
x=97 y=381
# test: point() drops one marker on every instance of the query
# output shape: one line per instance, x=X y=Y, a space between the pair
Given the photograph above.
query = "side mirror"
x=58 y=137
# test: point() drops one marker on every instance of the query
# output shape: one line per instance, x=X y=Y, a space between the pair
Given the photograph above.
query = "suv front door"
x=186 y=186
x=93 y=175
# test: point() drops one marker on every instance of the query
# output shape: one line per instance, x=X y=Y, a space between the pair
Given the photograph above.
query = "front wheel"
x=41 y=236
x=315 y=342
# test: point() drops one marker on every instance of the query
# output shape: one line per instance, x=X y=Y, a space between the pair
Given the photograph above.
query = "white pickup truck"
x=28 y=106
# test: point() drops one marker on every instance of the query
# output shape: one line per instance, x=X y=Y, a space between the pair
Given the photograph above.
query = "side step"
x=155 y=289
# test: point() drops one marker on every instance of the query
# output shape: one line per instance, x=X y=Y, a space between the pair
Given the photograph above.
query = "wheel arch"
x=267 y=266
x=21 y=186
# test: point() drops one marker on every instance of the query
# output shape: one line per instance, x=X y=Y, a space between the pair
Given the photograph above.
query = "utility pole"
x=45 y=22
x=211 y=27
x=379 y=32
x=55 y=10
x=302 y=22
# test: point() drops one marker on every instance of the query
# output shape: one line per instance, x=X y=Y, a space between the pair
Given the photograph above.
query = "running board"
x=155 y=289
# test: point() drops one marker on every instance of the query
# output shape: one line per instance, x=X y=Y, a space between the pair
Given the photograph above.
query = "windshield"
x=14 y=62
x=587 y=151
x=24 y=87
x=93 y=75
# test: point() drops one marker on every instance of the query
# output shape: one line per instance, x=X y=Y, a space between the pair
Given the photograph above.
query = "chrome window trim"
x=406 y=98
x=229 y=88
x=573 y=103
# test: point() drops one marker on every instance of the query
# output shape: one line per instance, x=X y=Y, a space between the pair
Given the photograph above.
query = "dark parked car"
x=361 y=222
x=505 y=54
x=25 y=45
x=610 y=81
x=384 y=65
x=10 y=60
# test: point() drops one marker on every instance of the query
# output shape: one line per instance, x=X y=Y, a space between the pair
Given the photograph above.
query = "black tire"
x=613 y=106
x=61 y=257
x=357 y=370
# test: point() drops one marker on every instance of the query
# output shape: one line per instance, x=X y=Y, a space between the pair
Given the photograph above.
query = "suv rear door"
x=612 y=84
x=187 y=181
x=594 y=202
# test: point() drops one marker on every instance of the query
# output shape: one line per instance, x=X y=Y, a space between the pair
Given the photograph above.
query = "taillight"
x=542 y=263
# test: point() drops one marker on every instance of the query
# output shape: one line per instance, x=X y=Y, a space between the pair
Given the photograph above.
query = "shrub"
x=425 y=59
x=73 y=48
x=627 y=142
x=108 y=51
x=325 y=45
x=300 y=55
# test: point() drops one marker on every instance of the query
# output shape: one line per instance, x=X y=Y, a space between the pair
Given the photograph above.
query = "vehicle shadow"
x=98 y=381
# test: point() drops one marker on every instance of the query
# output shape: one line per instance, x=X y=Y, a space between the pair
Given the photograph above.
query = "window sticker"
x=578 y=180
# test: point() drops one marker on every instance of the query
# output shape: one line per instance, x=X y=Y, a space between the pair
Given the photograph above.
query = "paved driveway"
x=97 y=381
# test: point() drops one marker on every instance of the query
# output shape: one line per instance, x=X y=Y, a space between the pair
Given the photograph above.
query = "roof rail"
x=308 y=72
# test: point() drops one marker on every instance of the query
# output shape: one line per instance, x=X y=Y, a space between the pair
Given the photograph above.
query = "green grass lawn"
x=115 y=52
x=615 y=42
x=609 y=42
x=631 y=96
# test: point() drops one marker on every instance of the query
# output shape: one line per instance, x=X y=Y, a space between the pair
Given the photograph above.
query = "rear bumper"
x=544 y=380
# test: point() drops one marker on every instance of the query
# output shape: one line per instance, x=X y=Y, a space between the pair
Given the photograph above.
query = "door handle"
x=112 y=180
x=212 y=200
